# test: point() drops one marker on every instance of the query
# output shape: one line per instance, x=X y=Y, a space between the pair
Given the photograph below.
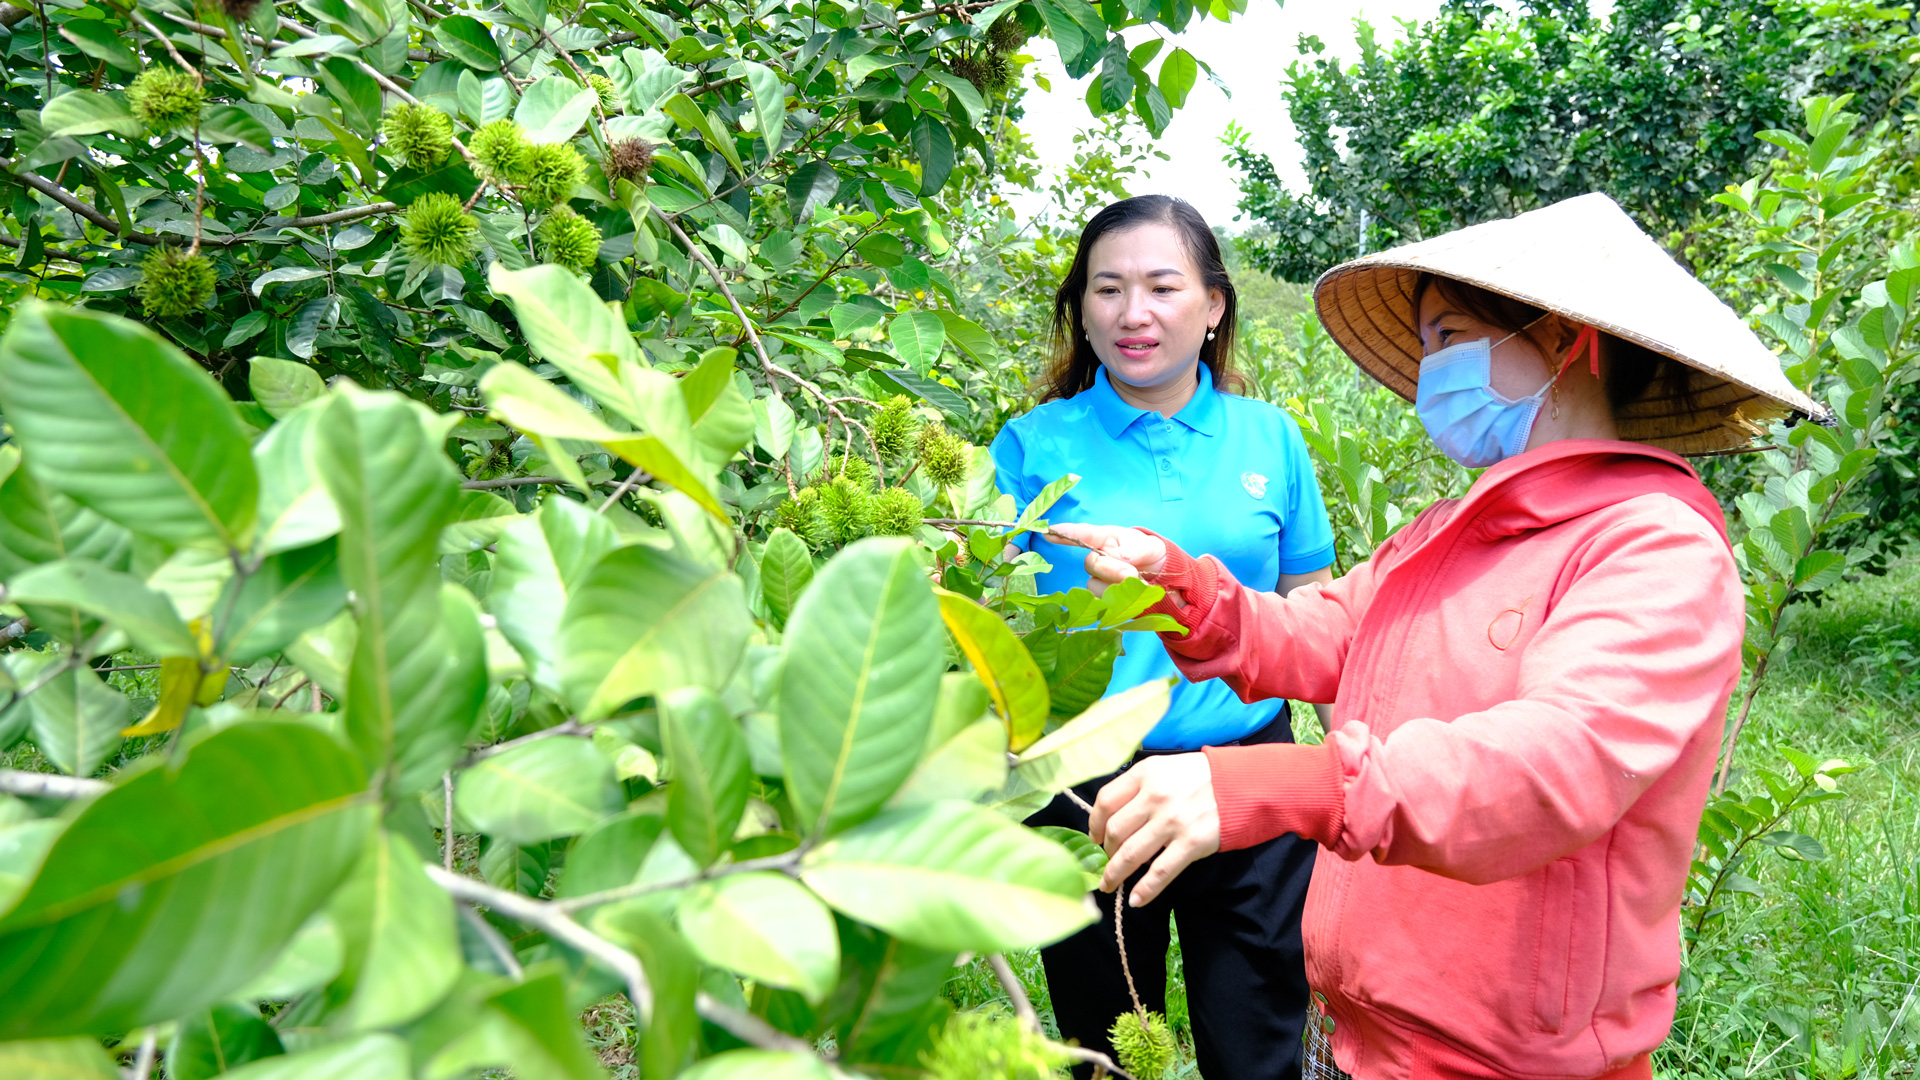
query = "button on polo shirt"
x=1225 y=476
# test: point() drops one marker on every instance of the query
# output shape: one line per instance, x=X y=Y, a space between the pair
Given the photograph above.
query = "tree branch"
x=512 y=481
x=785 y=861
x=49 y=785
x=1016 y=993
x=557 y=925
x=16 y=630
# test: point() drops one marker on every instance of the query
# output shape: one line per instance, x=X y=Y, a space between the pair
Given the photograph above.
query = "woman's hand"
x=1161 y=802
x=1114 y=553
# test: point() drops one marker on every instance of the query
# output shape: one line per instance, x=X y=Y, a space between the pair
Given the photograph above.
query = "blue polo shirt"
x=1225 y=476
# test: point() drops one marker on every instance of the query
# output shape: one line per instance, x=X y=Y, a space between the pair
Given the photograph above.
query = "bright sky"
x=1250 y=55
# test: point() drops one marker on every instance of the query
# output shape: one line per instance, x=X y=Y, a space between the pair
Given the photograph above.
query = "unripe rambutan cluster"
x=500 y=151
x=1145 y=1049
x=944 y=457
x=894 y=427
x=165 y=99
x=438 y=229
x=990 y=1046
x=174 y=283
x=569 y=240
x=420 y=135
x=553 y=171
x=603 y=89
x=896 y=512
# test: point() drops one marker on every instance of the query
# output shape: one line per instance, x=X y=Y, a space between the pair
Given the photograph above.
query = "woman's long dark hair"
x=1074 y=363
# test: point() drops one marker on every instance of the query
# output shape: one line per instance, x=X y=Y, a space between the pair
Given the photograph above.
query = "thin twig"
x=290 y=692
x=143 y=1060
x=1074 y=798
x=558 y=925
x=49 y=785
x=166 y=41
x=633 y=480
x=1120 y=938
x=785 y=861
x=565 y=727
x=496 y=943
x=969 y=521
x=1094 y=1057
x=513 y=481
x=1016 y=993
x=16 y=630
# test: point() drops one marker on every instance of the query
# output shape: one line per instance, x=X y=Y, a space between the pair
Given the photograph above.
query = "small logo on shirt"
x=1255 y=484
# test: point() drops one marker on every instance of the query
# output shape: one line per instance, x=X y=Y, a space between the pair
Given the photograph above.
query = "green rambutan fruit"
x=971 y=68
x=420 y=135
x=500 y=151
x=990 y=1046
x=894 y=427
x=1007 y=33
x=999 y=71
x=174 y=283
x=568 y=240
x=553 y=171
x=944 y=457
x=438 y=229
x=628 y=159
x=1145 y=1049
x=897 y=512
x=798 y=515
x=846 y=510
x=603 y=88
x=855 y=467
x=165 y=99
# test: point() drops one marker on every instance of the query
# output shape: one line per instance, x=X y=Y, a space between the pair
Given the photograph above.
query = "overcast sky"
x=1250 y=55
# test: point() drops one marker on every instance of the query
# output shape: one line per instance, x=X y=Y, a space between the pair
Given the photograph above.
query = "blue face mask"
x=1470 y=421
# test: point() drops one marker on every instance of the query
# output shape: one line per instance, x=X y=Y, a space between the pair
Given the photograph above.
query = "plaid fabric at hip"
x=1319 y=1063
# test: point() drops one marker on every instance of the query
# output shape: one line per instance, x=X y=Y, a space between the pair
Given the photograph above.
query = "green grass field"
x=1818 y=976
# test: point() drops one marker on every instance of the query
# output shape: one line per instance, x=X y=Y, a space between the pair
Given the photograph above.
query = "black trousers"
x=1239 y=919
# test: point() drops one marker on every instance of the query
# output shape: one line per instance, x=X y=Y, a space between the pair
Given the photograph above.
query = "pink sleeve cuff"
x=1196 y=581
x=1275 y=788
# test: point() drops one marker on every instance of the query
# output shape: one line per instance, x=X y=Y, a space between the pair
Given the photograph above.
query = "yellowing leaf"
x=179 y=684
x=1014 y=681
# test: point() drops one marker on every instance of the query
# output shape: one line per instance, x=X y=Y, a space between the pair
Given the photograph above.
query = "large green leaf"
x=859 y=675
x=786 y=568
x=569 y=326
x=893 y=1003
x=402 y=952
x=1081 y=668
x=219 y=1038
x=969 y=764
x=56 y=1059
x=527 y=1027
x=552 y=109
x=673 y=972
x=292 y=592
x=611 y=853
x=418 y=675
x=76 y=717
x=1097 y=741
x=539 y=790
x=295 y=507
x=174 y=888
x=118 y=599
x=769 y=101
x=281 y=386
x=38 y=526
x=540 y=559
x=917 y=336
x=1018 y=689
x=767 y=928
x=952 y=876
x=646 y=622
x=707 y=751
x=377 y=1056
x=113 y=416
x=759 y=1065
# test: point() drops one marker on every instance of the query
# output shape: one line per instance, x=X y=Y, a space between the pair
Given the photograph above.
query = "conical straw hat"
x=1585 y=259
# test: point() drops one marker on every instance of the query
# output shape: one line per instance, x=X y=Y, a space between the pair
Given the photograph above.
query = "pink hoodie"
x=1531 y=683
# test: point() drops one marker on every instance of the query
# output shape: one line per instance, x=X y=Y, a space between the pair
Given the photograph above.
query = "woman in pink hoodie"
x=1530 y=680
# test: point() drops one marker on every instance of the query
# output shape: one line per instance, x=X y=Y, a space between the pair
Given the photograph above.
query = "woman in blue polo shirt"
x=1135 y=404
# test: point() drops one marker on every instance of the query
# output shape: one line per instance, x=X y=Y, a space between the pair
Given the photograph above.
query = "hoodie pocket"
x=1554 y=952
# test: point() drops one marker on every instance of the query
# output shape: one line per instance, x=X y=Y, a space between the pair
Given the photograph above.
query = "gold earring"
x=1209 y=333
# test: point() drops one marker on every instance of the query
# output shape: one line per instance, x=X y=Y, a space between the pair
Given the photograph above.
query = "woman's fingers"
x=1145 y=553
x=1115 y=794
x=1164 y=806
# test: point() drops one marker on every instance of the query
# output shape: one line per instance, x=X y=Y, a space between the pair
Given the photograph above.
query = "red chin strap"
x=1589 y=340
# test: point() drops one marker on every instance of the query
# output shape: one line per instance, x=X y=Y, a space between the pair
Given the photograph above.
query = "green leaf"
x=1097 y=741
x=213 y=1040
x=553 y=108
x=937 y=394
x=539 y=790
x=786 y=568
x=971 y=763
x=540 y=560
x=859 y=675
x=707 y=752
x=177 y=886
x=56 y=1059
x=896 y=1009
x=232 y=124
x=933 y=146
x=952 y=876
x=418 y=675
x=769 y=101
x=355 y=91
x=112 y=416
x=40 y=526
x=646 y=622
x=528 y=1026
x=1082 y=669
x=864 y=65
x=76 y=717
x=759 y=1065
x=811 y=185
x=402 y=950
x=611 y=853
x=971 y=337
x=767 y=928
x=672 y=971
x=281 y=386
x=1043 y=502
x=1012 y=679
x=377 y=1056
x=296 y=509
x=971 y=107
x=87 y=112
x=684 y=112
x=119 y=599
x=569 y=326
x=466 y=39
x=917 y=337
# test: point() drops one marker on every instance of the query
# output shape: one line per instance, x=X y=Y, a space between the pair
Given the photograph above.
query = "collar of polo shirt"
x=1201 y=413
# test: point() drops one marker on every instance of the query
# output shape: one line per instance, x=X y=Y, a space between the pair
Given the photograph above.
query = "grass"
x=1818 y=976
